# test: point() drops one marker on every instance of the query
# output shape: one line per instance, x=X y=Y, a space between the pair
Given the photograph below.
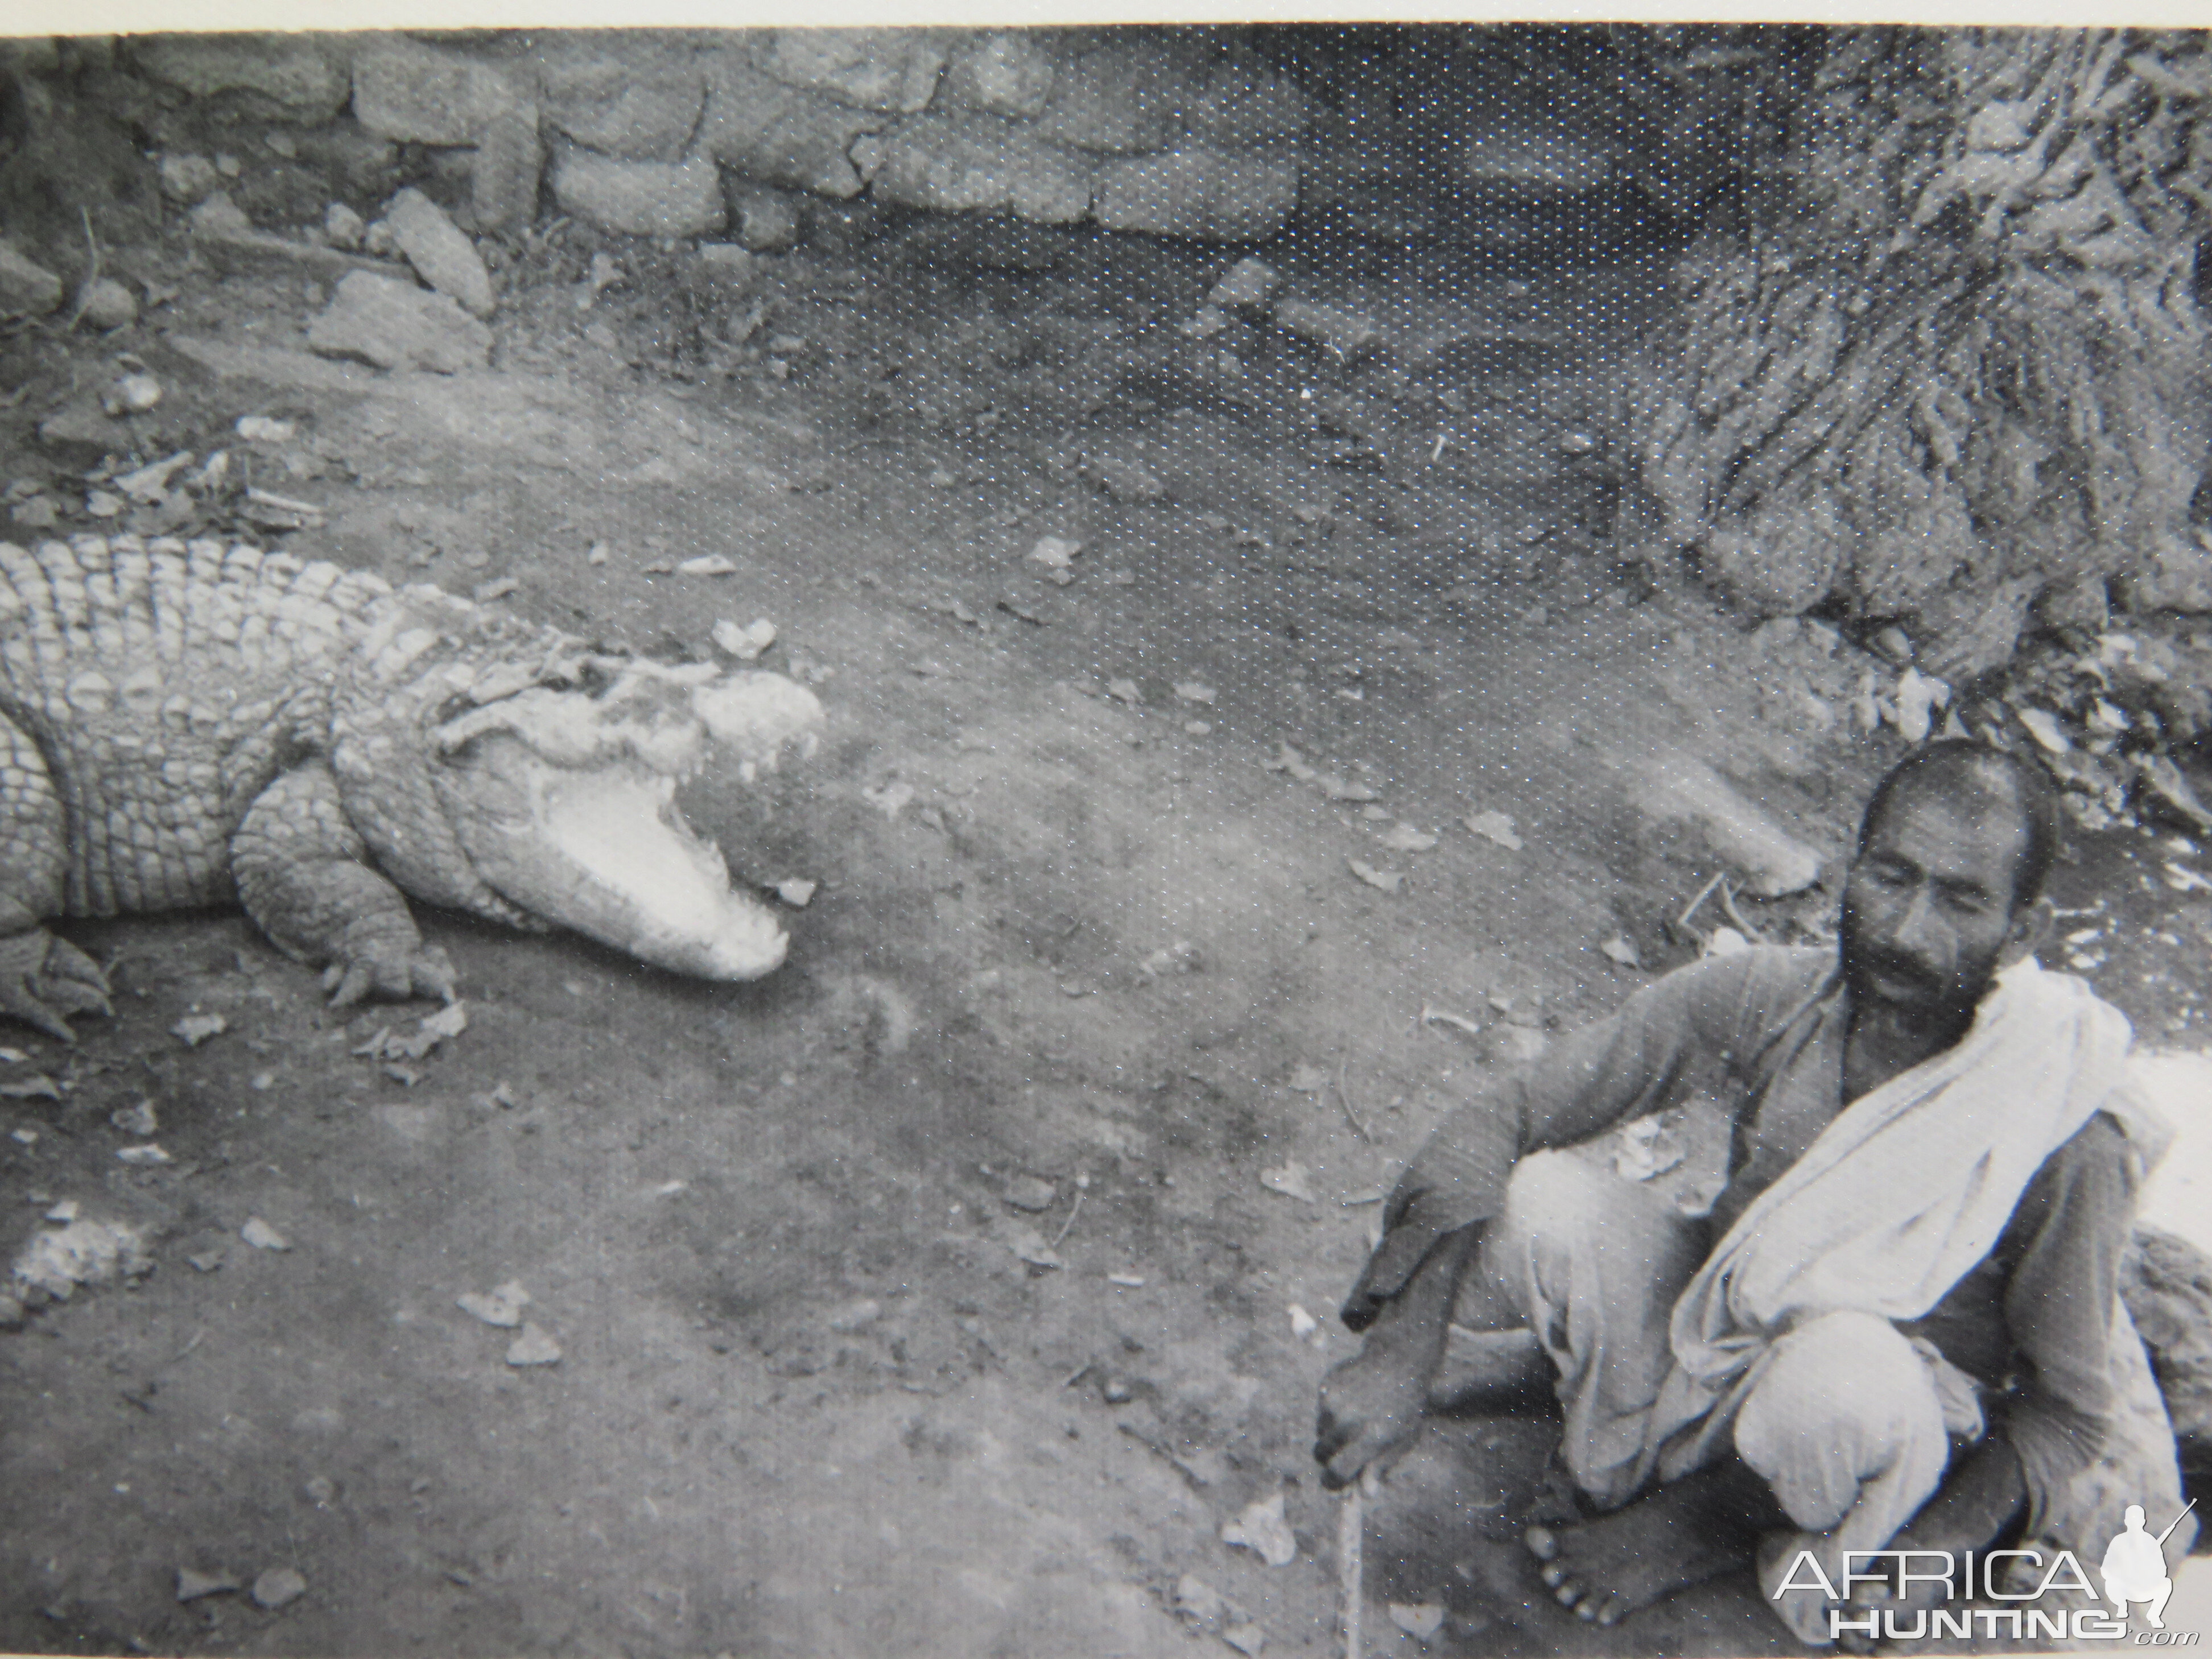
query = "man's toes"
x=1543 y=1543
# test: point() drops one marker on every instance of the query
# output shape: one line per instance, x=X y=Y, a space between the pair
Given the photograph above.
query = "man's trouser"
x=1845 y=1417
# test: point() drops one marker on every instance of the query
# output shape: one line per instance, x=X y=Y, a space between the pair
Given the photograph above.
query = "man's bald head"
x=1974 y=778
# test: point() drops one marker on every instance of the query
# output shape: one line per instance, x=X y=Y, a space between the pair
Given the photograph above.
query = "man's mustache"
x=1874 y=959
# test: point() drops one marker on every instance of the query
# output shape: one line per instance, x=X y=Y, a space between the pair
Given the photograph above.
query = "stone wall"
x=1175 y=132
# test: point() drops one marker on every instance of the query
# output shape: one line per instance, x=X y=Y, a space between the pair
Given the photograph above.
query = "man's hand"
x=1370 y=1410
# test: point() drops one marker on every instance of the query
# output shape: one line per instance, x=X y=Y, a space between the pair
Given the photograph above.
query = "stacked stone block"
x=654 y=132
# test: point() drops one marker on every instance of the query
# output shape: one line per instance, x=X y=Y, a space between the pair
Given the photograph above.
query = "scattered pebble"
x=100 y=504
x=1127 y=1281
x=1388 y=880
x=1125 y=692
x=40 y=1087
x=278 y=1588
x=889 y=798
x=485 y=593
x=1519 y=1044
x=598 y=553
x=1404 y=838
x=533 y=1348
x=1194 y=691
x=1196 y=728
x=796 y=892
x=63 y=1213
x=1291 y=1181
x=1032 y=1192
x=206 y=1262
x=1055 y=552
x=1263 y=1530
x=1341 y=789
x=502 y=1307
x=1247 y=1639
x=131 y=394
x=138 y=1120
x=1495 y=826
x=1308 y=1080
x=196 y=1028
x=107 y=304
x=319 y=1490
x=262 y=1237
x=1621 y=949
x=1302 y=1323
x=1028 y=1246
x=144 y=1157
x=1196 y=1600
x=190 y=1586
x=746 y=643
x=1420 y=1620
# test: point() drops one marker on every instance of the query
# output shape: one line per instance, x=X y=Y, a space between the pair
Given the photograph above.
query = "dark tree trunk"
x=1948 y=365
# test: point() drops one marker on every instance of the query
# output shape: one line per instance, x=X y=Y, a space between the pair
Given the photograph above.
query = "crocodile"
x=185 y=725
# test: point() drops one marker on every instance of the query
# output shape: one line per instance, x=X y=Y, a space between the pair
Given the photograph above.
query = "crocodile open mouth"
x=604 y=851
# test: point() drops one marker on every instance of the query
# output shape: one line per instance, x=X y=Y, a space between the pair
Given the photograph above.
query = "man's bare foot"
x=1682 y=1534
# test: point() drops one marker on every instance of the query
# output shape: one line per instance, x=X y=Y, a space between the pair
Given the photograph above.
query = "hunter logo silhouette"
x=2135 y=1566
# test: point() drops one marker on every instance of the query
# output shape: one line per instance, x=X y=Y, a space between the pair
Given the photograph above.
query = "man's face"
x=1928 y=910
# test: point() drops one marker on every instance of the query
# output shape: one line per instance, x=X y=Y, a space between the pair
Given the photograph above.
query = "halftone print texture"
x=1305 y=566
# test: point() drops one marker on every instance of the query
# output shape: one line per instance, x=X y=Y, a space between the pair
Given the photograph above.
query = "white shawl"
x=1904 y=1192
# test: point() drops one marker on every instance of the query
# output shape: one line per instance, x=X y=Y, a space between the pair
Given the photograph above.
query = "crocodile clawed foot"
x=44 y=981
x=392 y=972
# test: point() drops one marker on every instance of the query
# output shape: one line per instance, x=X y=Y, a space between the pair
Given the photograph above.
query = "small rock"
x=393 y=325
x=766 y=221
x=1291 y=1181
x=343 y=226
x=376 y=240
x=796 y=892
x=1054 y=552
x=1196 y=1600
x=278 y=1588
x=1389 y=881
x=12 y=1313
x=1893 y=643
x=1620 y=949
x=856 y=1315
x=63 y=1213
x=1263 y=1530
x=745 y=643
x=1031 y=1192
x=1127 y=691
x=1307 y=1080
x=502 y=1307
x=319 y=1490
x=196 y=1028
x=1344 y=335
x=1405 y=838
x=1194 y=691
x=131 y=394
x=1248 y=1640
x=1128 y=482
x=206 y=1262
x=1196 y=728
x=260 y=429
x=1520 y=1045
x=642 y=198
x=138 y=1120
x=262 y=1237
x=146 y=1157
x=100 y=504
x=441 y=255
x=39 y=513
x=707 y=564
x=190 y=1586
x=1302 y=1323
x=188 y=180
x=1420 y=1620
x=105 y=304
x=533 y=1348
x=1028 y=1246
x=1250 y=282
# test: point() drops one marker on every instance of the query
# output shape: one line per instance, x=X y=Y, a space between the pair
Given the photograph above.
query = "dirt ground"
x=1073 y=946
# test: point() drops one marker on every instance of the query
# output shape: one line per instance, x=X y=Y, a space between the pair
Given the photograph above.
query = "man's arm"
x=1371 y=1405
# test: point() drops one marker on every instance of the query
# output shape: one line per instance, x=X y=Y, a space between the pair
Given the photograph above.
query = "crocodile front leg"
x=42 y=979
x=303 y=875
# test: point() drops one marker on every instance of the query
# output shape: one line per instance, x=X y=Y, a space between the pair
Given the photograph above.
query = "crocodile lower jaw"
x=608 y=857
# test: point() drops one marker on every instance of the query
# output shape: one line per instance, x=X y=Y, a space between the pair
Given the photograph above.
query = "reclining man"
x=1900 y=1326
